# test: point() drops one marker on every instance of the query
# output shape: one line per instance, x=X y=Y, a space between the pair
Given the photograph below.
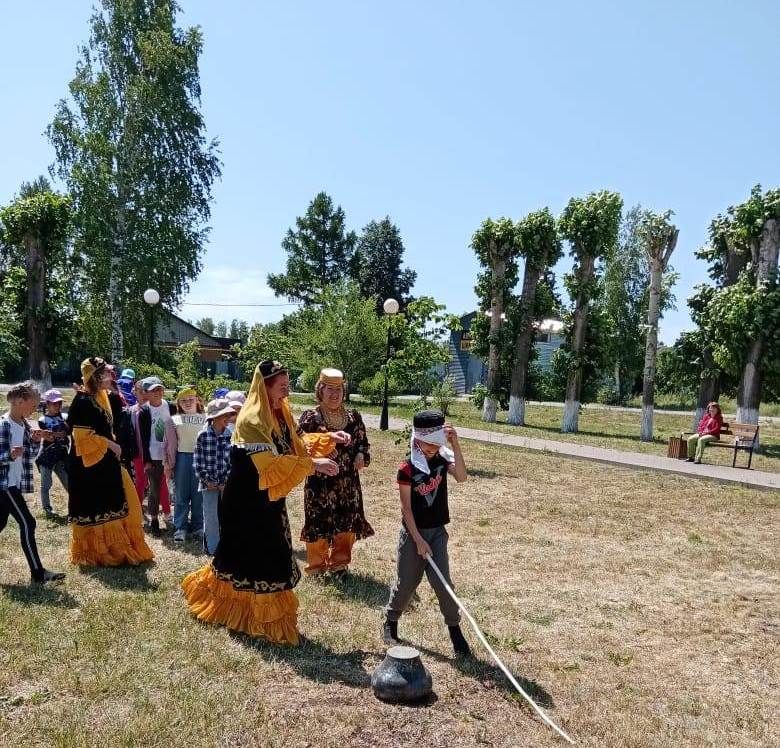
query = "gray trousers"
x=411 y=566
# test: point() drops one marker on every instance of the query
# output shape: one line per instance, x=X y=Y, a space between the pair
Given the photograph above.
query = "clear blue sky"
x=441 y=114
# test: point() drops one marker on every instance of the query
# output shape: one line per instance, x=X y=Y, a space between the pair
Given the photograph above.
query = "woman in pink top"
x=707 y=431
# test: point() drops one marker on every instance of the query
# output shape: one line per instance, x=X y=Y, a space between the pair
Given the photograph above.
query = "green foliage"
x=238 y=330
x=547 y=385
x=130 y=145
x=319 y=253
x=187 y=357
x=377 y=264
x=206 y=324
x=144 y=369
x=478 y=394
x=537 y=236
x=11 y=313
x=206 y=386
x=608 y=394
x=373 y=388
x=443 y=394
x=591 y=223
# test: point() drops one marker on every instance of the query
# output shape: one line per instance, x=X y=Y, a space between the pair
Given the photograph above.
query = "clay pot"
x=401 y=677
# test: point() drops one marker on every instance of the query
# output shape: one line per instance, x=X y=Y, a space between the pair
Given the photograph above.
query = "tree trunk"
x=490 y=407
x=651 y=349
x=617 y=380
x=749 y=392
x=709 y=388
x=523 y=343
x=114 y=287
x=38 y=369
x=571 y=410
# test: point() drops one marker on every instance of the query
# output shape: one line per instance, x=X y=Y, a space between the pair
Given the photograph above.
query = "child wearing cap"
x=53 y=454
x=422 y=483
x=211 y=462
x=16 y=474
x=178 y=454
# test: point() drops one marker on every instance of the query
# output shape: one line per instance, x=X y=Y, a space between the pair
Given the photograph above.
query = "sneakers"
x=48 y=576
x=459 y=643
x=179 y=536
x=390 y=633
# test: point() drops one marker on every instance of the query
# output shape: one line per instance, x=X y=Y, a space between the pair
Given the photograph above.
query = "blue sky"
x=440 y=114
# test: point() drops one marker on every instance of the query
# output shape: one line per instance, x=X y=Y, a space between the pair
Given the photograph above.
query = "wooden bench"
x=744 y=437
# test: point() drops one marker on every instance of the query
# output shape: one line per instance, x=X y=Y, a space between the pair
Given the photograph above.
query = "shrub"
x=373 y=388
x=207 y=385
x=478 y=395
x=443 y=394
x=143 y=370
x=608 y=394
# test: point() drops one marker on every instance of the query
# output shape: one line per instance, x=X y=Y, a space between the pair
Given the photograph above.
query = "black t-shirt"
x=427 y=488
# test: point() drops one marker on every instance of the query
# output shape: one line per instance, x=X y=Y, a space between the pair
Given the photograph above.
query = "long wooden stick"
x=487 y=646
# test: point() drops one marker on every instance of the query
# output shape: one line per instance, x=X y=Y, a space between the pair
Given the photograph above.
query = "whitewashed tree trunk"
x=490 y=407
x=38 y=370
x=765 y=257
x=516 y=410
x=571 y=410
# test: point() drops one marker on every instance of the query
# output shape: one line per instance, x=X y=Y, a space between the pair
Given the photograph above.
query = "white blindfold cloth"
x=429 y=435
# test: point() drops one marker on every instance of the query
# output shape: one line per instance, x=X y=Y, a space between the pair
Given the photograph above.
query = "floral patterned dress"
x=334 y=505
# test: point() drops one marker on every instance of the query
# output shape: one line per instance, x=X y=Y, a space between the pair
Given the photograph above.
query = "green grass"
x=615 y=429
x=586 y=582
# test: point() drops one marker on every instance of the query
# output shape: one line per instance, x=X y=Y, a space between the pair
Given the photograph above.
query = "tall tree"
x=540 y=246
x=206 y=324
x=590 y=225
x=660 y=238
x=319 y=252
x=239 y=330
x=221 y=329
x=496 y=246
x=130 y=145
x=36 y=224
x=377 y=264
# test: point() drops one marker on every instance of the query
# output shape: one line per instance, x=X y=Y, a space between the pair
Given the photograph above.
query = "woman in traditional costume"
x=248 y=586
x=103 y=507
x=334 y=517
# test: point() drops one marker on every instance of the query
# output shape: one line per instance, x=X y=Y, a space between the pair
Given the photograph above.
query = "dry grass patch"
x=640 y=608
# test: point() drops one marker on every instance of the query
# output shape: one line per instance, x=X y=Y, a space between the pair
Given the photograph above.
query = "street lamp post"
x=391 y=307
x=152 y=298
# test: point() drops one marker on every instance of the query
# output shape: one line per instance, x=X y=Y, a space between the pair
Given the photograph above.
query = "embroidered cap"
x=331 y=376
x=270 y=368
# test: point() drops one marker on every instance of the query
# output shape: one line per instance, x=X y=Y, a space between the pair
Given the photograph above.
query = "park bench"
x=744 y=437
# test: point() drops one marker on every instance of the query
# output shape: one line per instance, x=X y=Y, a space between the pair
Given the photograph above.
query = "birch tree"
x=130 y=144
x=590 y=225
x=659 y=238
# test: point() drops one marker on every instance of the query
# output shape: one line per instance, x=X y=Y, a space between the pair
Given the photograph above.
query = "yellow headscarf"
x=256 y=422
x=91 y=367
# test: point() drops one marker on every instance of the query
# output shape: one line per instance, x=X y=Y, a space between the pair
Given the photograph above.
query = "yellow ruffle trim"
x=89 y=446
x=114 y=543
x=281 y=474
x=272 y=615
x=319 y=444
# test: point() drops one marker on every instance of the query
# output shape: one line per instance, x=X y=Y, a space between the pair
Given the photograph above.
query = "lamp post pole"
x=152 y=298
x=391 y=307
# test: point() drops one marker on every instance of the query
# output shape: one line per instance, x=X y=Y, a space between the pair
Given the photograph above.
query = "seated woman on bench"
x=707 y=431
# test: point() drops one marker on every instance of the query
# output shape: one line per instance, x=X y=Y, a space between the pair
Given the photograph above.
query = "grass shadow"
x=480 y=473
x=362 y=588
x=190 y=546
x=490 y=676
x=35 y=594
x=123 y=577
x=314 y=661
x=55 y=519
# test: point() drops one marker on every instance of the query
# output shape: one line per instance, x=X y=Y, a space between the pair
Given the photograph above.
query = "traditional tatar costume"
x=248 y=586
x=334 y=516
x=103 y=507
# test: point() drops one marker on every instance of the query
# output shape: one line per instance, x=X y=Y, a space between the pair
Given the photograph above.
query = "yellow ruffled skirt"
x=272 y=615
x=114 y=543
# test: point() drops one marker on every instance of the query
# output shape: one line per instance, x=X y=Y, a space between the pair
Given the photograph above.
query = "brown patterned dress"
x=334 y=505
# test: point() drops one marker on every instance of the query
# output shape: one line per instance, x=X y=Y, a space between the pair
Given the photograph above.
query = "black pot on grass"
x=401 y=677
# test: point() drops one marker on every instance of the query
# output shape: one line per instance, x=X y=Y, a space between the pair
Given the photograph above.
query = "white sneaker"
x=179 y=536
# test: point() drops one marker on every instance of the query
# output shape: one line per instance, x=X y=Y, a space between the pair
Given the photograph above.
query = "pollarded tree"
x=659 y=237
x=590 y=225
x=36 y=225
x=540 y=246
x=496 y=246
x=130 y=144
x=319 y=253
x=377 y=264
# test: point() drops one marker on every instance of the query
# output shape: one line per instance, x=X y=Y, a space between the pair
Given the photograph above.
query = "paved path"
x=747 y=478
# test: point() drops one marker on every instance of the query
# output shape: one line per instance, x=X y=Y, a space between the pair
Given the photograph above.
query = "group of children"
x=191 y=446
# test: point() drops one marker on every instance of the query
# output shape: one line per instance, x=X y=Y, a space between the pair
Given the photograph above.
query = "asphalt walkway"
x=748 y=478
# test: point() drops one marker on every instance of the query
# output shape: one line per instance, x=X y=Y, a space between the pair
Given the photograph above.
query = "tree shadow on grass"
x=123 y=577
x=315 y=661
x=54 y=596
x=599 y=434
x=490 y=676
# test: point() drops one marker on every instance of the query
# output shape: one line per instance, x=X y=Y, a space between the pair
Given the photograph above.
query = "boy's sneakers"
x=390 y=633
x=47 y=576
x=459 y=643
x=179 y=536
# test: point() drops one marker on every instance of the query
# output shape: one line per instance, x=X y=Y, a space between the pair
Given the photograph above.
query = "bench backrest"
x=744 y=431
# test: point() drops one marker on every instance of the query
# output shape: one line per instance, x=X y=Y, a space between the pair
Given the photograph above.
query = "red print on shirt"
x=430 y=486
